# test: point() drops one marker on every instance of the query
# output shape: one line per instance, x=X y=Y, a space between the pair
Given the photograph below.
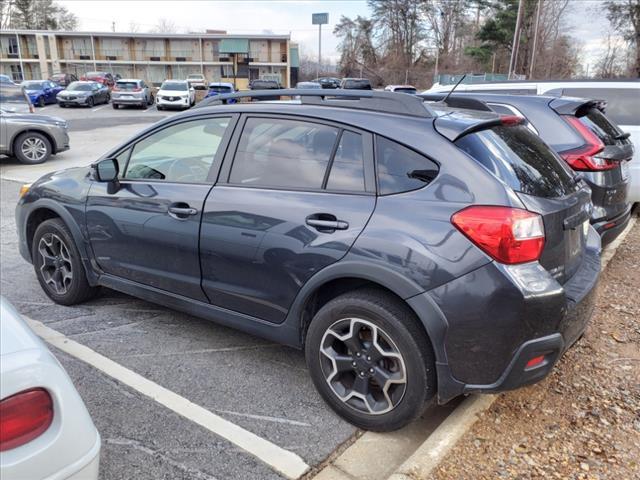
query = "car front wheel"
x=57 y=264
x=370 y=360
x=41 y=102
x=32 y=148
x=90 y=102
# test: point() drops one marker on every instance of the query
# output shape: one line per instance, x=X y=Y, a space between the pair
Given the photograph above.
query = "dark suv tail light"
x=24 y=416
x=584 y=158
x=509 y=235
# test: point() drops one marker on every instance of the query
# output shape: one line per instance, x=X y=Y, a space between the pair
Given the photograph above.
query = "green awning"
x=294 y=56
x=234 y=45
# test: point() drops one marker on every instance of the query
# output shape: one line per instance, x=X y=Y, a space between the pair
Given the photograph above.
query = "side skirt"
x=284 y=333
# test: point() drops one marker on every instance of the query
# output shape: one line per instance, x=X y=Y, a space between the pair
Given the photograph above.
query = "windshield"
x=263 y=84
x=196 y=76
x=95 y=74
x=520 y=159
x=33 y=85
x=220 y=89
x=127 y=85
x=174 y=86
x=80 y=87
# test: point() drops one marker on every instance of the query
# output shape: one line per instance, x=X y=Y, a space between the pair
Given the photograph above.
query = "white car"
x=410 y=89
x=175 y=94
x=197 y=81
x=46 y=430
x=622 y=97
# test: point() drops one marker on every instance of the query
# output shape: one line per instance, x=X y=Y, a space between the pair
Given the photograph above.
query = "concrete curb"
x=442 y=440
x=434 y=449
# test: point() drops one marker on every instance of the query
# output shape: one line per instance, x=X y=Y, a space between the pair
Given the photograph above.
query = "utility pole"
x=516 y=42
x=535 y=41
x=113 y=26
x=319 y=19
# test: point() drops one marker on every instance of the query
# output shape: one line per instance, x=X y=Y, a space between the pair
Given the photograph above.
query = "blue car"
x=221 y=88
x=41 y=92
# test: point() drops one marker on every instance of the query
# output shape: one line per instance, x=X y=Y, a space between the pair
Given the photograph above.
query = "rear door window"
x=347 y=169
x=283 y=153
x=520 y=159
x=395 y=163
x=623 y=104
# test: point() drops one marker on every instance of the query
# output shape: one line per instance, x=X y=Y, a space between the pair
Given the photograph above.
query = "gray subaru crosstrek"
x=355 y=226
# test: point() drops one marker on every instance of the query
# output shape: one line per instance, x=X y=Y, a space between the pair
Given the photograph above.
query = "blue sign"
x=319 y=18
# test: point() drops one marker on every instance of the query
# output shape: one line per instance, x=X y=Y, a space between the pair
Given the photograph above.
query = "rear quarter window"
x=395 y=163
x=521 y=160
x=599 y=124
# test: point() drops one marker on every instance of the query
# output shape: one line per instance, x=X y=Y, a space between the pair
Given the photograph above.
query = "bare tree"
x=165 y=25
x=624 y=16
x=612 y=62
x=134 y=27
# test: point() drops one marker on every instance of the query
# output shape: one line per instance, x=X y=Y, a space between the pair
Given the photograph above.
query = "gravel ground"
x=583 y=421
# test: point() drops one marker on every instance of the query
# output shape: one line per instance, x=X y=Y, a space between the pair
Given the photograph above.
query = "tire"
x=108 y=98
x=159 y=108
x=32 y=148
x=47 y=239
x=90 y=102
x=63 y=105
x=409 y=358
x=115 y=106
x=41 y=102
x=151 y=100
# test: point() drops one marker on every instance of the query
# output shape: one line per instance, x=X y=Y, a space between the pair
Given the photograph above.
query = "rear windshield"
x=623 y=104
x=220 y=89
x=96 y=74
x=264 y=85
x=127 y=85
x=33 y=85
x=412 y=91
x=599 y=124
x=520 y=159
x=358 y=84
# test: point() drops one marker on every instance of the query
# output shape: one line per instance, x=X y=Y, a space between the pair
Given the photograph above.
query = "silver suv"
x=32 y=138
x=131 y=91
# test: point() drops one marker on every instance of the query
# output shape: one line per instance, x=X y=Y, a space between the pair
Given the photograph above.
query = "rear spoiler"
x=454 y=101
x=454 y=126
x=575 y=106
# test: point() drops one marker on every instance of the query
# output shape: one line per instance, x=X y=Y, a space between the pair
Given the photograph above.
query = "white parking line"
x=99 y=108
x=283 y=461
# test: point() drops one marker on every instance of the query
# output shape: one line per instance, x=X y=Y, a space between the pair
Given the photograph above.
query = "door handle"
x=181 y=212
x=326 y=223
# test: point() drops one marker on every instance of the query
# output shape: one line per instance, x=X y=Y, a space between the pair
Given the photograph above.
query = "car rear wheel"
x=32 y=148
x=115 y=106
x=57 y=264
x=151 y=100
x=90 y=102
x=41 y=102
x=108 y=98
x=370 y=360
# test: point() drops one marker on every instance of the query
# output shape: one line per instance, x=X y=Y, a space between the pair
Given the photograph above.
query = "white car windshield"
x=174 y=86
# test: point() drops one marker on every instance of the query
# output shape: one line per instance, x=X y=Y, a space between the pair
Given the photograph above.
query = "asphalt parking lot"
x=261 y=387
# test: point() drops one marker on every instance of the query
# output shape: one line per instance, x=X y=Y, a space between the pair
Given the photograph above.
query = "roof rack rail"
x=457 y=101
x=386 y=102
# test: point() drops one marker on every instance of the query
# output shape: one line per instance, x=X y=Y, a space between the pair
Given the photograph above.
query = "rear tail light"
x=137 y=89
x=510 y=120
x=24 y=417
x=115 y=88
x=584 y=158
x=509 y=235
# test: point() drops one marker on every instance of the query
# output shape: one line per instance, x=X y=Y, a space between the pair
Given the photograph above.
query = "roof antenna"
x=444 y=100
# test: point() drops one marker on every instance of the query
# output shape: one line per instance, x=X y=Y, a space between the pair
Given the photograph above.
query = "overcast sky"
x=584 y=21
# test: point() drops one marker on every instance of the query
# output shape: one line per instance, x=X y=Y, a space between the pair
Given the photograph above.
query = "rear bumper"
x=499 y=317
x=609 y=229
x=129 y=100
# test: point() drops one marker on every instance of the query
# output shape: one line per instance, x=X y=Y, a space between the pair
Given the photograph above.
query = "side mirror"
x=107 y=170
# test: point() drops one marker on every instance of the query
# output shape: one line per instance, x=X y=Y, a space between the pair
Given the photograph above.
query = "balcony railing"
x=265 y=57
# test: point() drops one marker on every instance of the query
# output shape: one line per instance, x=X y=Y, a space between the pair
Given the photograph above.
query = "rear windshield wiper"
x=622 y=136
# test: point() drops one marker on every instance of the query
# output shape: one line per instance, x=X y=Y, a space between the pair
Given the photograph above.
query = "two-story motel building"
x=38 y=54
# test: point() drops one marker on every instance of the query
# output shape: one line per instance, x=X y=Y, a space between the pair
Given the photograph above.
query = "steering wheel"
x=187 y=170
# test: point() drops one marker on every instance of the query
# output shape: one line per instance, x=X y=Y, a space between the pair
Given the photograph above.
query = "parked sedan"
x=131 y=91
x=307 y=85
x=175 y=94
x=6 y=80
x=41 y=92
x=63 y=79
x=32 y=138
x=410 y=89
x=356 y=84
x=85 y=94
x=328 y=82
x=14 y=99
x=46 y=429
x=221 y=88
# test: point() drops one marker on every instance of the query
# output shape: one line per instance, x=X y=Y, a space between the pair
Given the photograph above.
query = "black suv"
x=585 y=138
x=356 y=226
